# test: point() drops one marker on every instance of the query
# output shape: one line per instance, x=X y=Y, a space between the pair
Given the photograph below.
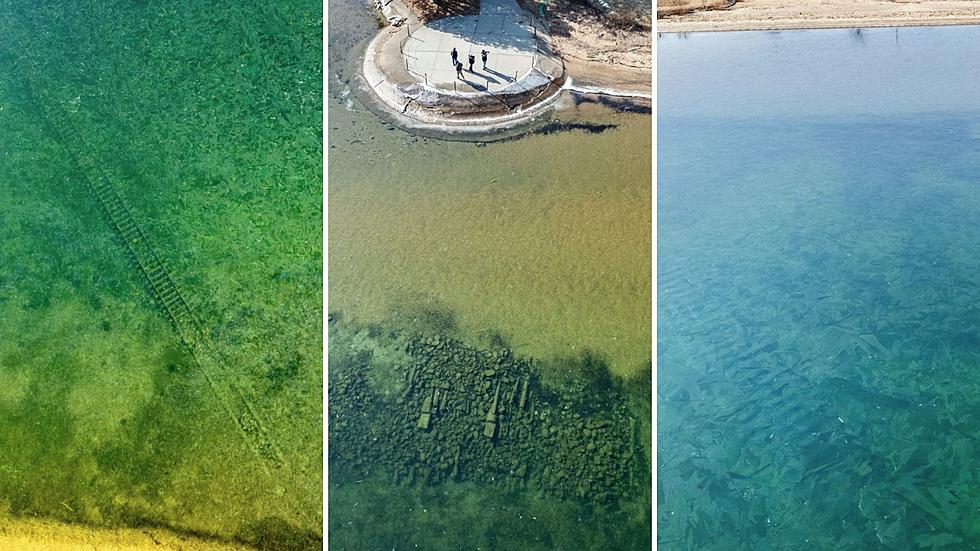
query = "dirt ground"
x=600 y=51
x=429 y=10
x=803 y=14
x=679 y=7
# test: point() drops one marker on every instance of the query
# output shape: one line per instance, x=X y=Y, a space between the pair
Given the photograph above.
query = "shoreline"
x=399 y=104
x=20 y=533
x=775 y=15
x=415 y=104
x=600 y=54
x=810 y=25
x=579 y=57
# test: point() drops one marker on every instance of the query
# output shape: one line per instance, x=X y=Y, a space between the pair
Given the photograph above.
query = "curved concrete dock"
x=409 y=68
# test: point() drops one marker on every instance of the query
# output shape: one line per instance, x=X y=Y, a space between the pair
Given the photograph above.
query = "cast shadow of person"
x=500 y=75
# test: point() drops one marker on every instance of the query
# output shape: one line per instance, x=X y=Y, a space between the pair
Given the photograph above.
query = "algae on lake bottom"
x=441 y=445
x=204 y=122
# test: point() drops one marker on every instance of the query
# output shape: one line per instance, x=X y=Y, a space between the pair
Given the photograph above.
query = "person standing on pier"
x=472 y=60
x=455 y=55
x=483 y=56
x=459 y=70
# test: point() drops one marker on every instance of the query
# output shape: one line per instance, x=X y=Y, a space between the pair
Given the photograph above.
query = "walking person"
x=483 y=55
x=455 y=55
x=459 y=70
x=472 y=60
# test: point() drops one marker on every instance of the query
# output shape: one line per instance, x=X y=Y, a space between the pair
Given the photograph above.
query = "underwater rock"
x=490 y=430
x=474 y=411
x=426 y=414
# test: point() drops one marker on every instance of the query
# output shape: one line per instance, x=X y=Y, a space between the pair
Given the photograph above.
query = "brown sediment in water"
x=545 y=239
x=797 y=14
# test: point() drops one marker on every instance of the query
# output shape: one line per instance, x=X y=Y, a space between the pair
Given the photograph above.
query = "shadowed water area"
x=817 y=289
x=490 y=328
x=160 y=268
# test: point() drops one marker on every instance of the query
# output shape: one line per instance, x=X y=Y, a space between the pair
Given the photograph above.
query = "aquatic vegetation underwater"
x=160 y=267
x=817 y=338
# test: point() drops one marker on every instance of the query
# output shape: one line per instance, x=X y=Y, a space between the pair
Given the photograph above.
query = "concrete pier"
x=410 y=70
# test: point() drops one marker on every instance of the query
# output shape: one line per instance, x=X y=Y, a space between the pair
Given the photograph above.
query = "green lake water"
x=535 y=248
x=818 y=221
x=205 y=119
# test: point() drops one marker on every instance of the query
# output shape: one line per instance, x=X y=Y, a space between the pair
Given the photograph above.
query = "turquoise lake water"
x=818 y=283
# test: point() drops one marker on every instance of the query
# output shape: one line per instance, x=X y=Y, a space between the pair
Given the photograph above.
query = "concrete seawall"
x=408 y=70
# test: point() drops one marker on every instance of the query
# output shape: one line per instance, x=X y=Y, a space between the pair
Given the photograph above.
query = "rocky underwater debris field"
x=428 y=409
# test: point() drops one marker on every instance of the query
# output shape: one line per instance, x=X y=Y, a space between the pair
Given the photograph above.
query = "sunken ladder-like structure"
x=162 y=285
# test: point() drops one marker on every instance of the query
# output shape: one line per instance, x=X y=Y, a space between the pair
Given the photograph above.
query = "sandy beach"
x=26 y=534
x=825 y=14
x=599 y=53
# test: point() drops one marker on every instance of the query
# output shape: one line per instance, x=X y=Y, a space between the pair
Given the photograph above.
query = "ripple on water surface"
x=817 y=278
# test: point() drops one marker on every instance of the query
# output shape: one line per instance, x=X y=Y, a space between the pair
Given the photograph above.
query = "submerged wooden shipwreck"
x=468 y=414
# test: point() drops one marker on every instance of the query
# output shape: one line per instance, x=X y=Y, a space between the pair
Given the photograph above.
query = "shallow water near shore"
x=817 y=283
x=549 y=254
x=121 y=132
x=542 y=241
x=530 y=252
